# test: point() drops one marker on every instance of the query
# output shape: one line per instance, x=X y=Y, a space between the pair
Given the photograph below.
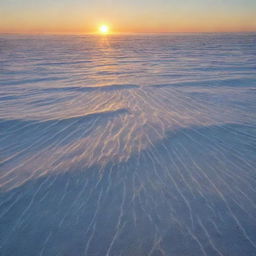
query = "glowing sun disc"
x=104 y=29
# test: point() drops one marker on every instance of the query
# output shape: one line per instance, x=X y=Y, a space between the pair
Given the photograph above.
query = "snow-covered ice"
x=128 y=145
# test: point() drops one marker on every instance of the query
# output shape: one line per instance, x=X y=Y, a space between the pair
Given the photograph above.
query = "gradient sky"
x=85 y=16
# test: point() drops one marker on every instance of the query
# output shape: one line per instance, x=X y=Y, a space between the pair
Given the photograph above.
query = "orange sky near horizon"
x=162 y=16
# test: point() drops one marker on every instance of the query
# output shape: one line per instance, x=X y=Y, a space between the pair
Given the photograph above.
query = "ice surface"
x=128 y=145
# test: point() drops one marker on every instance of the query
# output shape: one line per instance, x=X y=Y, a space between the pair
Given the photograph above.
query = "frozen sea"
x=128 y=145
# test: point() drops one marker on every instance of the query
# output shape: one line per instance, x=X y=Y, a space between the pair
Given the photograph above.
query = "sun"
x=104 y=29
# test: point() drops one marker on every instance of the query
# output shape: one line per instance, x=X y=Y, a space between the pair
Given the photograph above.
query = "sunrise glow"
x=104 y=29
x=89 y=17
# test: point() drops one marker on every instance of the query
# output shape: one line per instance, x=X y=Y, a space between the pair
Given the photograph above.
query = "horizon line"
x=128 y=33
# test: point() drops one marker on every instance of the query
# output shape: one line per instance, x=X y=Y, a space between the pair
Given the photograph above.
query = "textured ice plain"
x=128 y=145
